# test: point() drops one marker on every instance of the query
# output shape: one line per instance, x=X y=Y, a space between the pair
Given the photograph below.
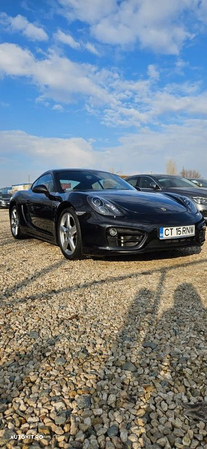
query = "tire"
x=14 y=223
x=69 y=234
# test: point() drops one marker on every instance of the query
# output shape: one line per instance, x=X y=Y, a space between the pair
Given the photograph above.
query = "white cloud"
x=21 y=24
x=164 y=102
x=152 y=24
x=144 y=151
x=102 y=92
x=61 y=152
x=148 y=151
x=87 y=10
x=67 y=39
x=57 y=77
x=180 y=66
x=57 y=107
x=202 y=10
x=16 y=61
x=155 y=25
x=153 y=72
x=90 y=47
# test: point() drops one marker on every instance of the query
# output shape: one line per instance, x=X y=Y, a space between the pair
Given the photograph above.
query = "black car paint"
x=39 y=214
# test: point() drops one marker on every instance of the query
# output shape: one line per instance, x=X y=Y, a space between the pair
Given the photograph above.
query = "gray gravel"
x=101 y=353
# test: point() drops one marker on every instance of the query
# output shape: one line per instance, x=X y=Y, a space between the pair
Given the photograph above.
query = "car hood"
x=190 y=192
x=142 y=202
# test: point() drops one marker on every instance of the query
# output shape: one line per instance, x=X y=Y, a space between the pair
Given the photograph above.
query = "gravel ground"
x=101 y=353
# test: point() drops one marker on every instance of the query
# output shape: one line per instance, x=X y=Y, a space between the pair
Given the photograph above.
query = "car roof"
x=198 y=179
x=57 y=170
x=155 y=175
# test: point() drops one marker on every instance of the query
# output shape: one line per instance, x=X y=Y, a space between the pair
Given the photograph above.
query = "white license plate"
x=176 y=232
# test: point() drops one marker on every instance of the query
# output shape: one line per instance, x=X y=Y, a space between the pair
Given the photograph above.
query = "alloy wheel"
x=14 y=222
x=68 y=233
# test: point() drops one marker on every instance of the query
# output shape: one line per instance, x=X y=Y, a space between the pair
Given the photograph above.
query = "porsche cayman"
x=91 y=212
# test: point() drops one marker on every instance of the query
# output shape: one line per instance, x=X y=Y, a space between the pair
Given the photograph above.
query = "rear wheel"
x=69 y=234
x=15 y=223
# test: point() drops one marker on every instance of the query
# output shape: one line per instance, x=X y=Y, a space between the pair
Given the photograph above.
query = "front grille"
x=126 y=238
x=172 y=242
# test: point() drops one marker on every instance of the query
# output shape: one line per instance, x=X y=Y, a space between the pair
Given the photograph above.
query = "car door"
x=146 y=183
x=40 y=208
x=133 y=181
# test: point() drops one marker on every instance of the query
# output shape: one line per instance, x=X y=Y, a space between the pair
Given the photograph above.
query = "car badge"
x=163 y=208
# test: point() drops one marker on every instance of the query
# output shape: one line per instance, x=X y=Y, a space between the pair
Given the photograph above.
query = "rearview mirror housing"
x=41 y=188
x=154 y=186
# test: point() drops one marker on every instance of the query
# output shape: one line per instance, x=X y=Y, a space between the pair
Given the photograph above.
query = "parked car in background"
x=95 y=212
x=200 y=182
x=171 y=184
x=5 y=200
x=5 y=196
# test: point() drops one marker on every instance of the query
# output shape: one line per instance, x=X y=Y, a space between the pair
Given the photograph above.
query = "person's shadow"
x=173 y=358
x=134 y=400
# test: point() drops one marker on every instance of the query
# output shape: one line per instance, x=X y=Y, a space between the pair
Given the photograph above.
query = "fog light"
x=113 y=232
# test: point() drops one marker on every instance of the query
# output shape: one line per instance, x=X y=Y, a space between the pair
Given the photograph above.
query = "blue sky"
x=116 y=85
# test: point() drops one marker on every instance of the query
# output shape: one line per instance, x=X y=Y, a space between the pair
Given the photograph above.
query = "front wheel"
x=14 y=223
x=69 y=234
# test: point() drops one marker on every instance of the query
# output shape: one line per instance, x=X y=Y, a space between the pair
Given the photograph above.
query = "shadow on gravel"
x=172 y=370
x=156 y=360
x=162 y=255
x=27 y=281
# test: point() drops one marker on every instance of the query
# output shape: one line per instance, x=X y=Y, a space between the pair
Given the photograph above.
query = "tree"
x=171 y=167
x=190 y=173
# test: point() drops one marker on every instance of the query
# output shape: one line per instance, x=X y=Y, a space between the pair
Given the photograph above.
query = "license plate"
x=176 y=232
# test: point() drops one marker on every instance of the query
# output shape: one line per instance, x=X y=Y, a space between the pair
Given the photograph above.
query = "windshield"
x=200 y=182
x=168 y=181
x=90 y=180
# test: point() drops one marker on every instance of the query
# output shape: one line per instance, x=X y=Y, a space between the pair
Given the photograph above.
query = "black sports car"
x=94 y=212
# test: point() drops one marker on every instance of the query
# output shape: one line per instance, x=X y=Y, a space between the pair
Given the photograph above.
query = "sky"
x=115 y=85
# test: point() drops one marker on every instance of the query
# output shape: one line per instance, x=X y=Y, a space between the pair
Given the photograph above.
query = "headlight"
x=200 y=200
x=104 y=207
x=189 y=204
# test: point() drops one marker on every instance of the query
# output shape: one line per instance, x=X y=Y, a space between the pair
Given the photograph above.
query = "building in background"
x=24 y=186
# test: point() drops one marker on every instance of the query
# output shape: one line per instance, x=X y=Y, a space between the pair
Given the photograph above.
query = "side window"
x=46 y=180
x=106 y=183
x=133 y=182
x=68 y=184
x=145 y=182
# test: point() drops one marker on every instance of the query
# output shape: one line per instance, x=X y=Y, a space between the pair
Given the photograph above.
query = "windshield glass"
x=168 y=181
x=200 y=182
x=90 y=180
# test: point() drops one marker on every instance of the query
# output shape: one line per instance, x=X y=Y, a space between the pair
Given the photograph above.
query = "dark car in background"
x=199 y=181
x=171 y=184
x=5 y=196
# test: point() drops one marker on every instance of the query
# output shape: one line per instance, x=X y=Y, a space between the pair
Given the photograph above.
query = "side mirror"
x=154 y=186
x=41 y=188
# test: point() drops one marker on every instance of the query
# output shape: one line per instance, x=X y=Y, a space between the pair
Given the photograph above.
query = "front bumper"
x=131 y=238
